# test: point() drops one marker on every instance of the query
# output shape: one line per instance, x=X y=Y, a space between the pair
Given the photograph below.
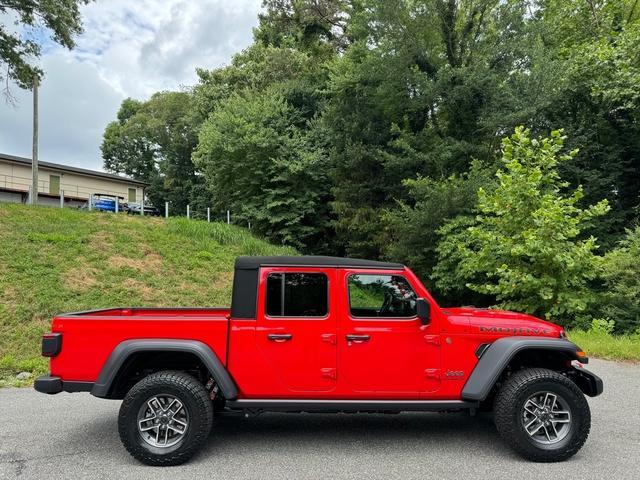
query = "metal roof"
x=67 y=168
x=253 y=263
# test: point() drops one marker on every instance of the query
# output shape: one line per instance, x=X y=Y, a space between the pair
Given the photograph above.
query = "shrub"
x=621 y=273
x=602 y=326
x=525 y=246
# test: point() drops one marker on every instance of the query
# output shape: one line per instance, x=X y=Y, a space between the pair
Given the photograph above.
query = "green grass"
x=54 y=261
x=604 y=345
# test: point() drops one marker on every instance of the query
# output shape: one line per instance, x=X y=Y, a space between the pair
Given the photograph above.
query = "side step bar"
x=286 y=405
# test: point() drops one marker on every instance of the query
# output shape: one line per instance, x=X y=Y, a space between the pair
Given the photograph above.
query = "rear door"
x=296 y=330
x=385 y=351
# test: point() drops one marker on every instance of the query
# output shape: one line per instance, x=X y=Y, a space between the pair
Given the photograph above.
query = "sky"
x=128 y=49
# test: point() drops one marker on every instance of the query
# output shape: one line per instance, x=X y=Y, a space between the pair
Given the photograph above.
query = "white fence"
x=138 y=208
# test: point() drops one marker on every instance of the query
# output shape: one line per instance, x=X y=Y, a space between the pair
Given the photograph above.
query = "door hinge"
x=432 y=339
x=328 y=373
x=432 y=373
x=329 y=338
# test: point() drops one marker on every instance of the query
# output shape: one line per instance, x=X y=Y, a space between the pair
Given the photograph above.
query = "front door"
x=296 y=331
x=385 y=351
x=54 y=184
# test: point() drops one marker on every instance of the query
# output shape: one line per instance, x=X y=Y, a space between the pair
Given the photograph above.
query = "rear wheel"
x=542 y=415
x=165 y=418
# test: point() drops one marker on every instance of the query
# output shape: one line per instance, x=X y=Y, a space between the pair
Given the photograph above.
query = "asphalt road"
x=75 y=436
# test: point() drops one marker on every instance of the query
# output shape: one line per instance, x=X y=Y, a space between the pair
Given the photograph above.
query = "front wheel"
x=542 y=415
x=165 y=418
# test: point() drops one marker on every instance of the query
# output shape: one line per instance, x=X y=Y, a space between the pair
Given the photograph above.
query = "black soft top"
x=254 y=263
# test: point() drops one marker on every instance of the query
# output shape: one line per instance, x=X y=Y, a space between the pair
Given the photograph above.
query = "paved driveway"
x=75 y=436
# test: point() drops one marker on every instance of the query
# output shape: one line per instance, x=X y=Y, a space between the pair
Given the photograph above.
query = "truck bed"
x=92 y=335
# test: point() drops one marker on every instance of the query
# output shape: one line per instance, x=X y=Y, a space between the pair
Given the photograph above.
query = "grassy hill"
x=54 y=261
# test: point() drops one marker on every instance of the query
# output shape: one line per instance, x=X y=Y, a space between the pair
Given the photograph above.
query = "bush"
x=602 y=326
x=525 y=247
x=621 y=273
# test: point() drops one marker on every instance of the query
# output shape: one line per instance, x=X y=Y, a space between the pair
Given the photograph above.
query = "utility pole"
x=34 y=154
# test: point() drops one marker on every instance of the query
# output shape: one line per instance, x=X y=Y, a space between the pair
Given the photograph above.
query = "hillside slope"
x=54 y=261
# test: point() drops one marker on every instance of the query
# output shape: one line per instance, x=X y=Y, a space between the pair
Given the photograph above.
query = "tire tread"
x=192 y=387
x=506 y=415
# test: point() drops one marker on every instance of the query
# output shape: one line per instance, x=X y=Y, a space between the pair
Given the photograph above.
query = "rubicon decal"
x=516 y=330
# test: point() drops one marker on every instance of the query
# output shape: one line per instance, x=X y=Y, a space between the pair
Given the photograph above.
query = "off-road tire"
x=509 y=407
x=196 y=401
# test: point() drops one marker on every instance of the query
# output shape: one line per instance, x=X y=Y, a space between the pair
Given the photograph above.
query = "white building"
x=78 y=184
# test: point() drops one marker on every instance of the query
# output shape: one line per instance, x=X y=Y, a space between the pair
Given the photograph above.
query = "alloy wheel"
x=163 y=421
x=546 y=417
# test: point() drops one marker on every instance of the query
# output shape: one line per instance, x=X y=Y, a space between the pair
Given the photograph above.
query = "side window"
x=132 y=194
x=381 y=296
x=297 y=295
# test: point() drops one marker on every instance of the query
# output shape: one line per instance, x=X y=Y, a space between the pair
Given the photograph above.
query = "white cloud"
x=129 y=49
x=149 y=45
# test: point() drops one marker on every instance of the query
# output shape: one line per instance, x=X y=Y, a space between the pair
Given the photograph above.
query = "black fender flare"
x=125 y=349
x=498 y=355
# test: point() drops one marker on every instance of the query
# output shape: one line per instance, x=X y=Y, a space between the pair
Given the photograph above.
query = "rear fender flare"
x=127 y=348
x=498 y=355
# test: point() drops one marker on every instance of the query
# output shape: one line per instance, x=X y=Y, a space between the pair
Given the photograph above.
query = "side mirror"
x=423 y=309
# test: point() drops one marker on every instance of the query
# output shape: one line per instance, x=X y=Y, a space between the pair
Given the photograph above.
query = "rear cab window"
x=297 y=294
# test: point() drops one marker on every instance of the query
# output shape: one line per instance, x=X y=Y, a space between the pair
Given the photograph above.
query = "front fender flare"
x=125 y=349
x=495 y=359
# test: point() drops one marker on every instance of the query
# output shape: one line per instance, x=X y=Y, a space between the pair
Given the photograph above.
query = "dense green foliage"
x=367 y=127
x=284 y=193
x=154 y=141
x=18 y=49
x=524 y=248
x=413 y=227
x=621 y=272
x=56 y=261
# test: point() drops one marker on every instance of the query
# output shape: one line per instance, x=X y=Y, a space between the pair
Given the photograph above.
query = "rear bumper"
x=51 y=384
x=48 y=384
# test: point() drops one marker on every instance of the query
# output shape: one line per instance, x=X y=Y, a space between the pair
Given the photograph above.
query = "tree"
x=125 y=147
x=582 y=74
x=304 y=24
x=421 y=90
x=353 y=126
x=525 y=246
x=411 y=227
x=267 y=170
x=17 y=50
x=153 y=141
x=262 y=150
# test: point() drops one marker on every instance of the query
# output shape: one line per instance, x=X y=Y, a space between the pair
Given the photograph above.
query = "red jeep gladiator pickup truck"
x=322 y=334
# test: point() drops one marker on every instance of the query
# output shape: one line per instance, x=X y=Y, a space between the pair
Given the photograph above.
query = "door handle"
x=352 y=338
x=279 y=337
x=329 y=338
